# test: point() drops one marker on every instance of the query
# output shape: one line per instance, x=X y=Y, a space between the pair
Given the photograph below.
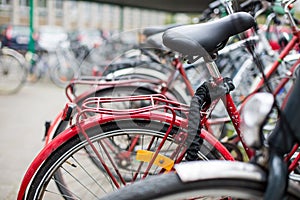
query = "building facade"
x=79 y=14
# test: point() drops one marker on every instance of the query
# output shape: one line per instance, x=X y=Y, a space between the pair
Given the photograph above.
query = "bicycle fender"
x=41 y=157
x=216 y=169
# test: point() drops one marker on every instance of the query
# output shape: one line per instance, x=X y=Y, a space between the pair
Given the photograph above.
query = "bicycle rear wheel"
x=13 y=71
x=79 y=174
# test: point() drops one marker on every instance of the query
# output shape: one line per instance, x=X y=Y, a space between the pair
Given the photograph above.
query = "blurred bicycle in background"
x=13 y=71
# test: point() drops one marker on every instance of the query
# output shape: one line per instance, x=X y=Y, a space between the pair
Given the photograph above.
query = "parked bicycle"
x=13 y=71
x=122 y=146
x=61 y=66
x=152 y=138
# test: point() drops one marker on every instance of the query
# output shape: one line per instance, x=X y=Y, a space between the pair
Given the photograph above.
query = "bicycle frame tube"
x=294 y=161
x=294 y=164
x=180 y=68
x=230 y=106
x=233 y=112
x=228 y=101
x=285 y=80
x=283 y=54
x=178 y=65
x=235 y=118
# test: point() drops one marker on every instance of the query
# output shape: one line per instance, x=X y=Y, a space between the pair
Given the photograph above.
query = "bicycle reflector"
x=253 y=117
x=68 y=111
x=160 y=160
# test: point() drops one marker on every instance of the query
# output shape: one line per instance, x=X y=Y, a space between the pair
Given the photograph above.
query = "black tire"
x=13 y=71
x=169 y=186
x=72 y=158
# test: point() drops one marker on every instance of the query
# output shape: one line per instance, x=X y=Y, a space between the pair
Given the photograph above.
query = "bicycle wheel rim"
x=12 y=74
x=61 y=76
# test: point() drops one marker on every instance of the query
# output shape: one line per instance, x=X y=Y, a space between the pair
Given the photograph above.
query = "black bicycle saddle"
x=158 y=29
x=192 y=40
x=155 y=41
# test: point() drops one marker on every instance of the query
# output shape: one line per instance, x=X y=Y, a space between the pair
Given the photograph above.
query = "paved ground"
x=22 y=118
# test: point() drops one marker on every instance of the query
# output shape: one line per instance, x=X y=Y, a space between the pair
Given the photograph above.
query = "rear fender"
x=216 y=169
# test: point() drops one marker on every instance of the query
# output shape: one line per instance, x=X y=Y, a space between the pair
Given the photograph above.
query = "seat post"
x=213 y=69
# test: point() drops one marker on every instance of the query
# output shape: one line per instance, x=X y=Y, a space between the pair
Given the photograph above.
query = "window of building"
x=5 y=2
x=42 y=3
x=24 y=2
x=59 y=4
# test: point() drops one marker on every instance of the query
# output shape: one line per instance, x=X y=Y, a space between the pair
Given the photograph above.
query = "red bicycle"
x=129 y=144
